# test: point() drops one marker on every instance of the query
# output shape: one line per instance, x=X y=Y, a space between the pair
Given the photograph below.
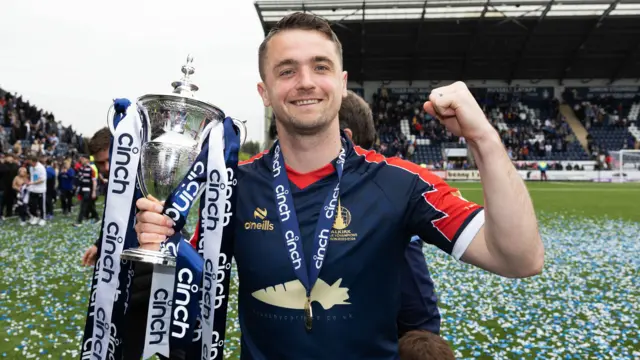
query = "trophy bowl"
x=175 y=125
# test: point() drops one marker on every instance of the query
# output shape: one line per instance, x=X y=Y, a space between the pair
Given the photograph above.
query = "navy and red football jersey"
x=357 y=297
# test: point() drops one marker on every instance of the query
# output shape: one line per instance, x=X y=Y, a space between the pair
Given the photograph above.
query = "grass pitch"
x=584 y=305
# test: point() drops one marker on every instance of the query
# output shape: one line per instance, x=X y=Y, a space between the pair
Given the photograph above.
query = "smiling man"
x=323 y=281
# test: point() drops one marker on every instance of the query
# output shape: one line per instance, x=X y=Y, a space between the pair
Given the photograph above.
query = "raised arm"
x=509 y=243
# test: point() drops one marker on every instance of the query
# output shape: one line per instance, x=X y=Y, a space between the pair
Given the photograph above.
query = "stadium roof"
x=478 y=39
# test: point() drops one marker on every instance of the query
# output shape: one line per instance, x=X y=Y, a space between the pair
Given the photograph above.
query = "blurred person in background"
x=20 y=184
x=3 y=175
x=424 y=346
x=11 y=168
x=65 y=185
x=37 y=190
x=51 y=187
x=87 y=188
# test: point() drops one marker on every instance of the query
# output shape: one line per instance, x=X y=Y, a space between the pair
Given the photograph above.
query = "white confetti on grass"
x=584 y=305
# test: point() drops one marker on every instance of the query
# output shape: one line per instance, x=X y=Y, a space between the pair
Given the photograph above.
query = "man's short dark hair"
x=356 y=115
x=33 y=158
x=298 y=21
x=424 y=345
x=100 y=141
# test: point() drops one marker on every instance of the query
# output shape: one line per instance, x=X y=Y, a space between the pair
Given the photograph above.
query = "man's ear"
x=345 y=78
x=349 y=134
x=262 y=90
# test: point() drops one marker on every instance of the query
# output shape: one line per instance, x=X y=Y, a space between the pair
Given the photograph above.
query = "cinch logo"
x=113 y=232
x=231 y=183
x=187 y=194
x=159 y=307
x=215 y=185
x=181 y=313
x=215 y=343
x=102 y=329
x=86 y=350
x=223 y=265
x=122 y=159
x=263 y=224
x=281 y=201
x=113 y=340
x=292 y=245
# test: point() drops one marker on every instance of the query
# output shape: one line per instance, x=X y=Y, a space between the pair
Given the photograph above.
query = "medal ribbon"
x=291 y=228
x=112 y=276
x=167 y=329
x=182 y=283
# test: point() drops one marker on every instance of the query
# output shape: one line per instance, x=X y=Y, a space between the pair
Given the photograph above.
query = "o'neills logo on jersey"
x=122 y=159
x=187 y=194
x=159 y=307
x=181 y=313
x=292 y=245
x=113 y=236
x=261 y=223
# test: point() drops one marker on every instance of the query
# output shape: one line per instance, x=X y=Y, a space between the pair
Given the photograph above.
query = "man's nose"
x=305 y=80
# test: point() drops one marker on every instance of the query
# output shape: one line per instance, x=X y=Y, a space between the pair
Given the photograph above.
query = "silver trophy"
x=175 y=125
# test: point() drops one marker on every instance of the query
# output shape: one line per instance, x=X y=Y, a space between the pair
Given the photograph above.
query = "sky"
x=72 y=57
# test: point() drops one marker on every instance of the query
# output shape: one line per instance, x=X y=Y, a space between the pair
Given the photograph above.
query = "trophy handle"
x=242 y=128
x=143 y=116
x=110 y=124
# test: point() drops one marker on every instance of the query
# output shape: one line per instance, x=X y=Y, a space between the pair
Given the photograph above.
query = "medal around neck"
x=174 y=130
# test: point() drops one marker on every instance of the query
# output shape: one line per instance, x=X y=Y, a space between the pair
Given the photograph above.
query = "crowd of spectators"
x=25 y=129
x=529 y=132
x=27 y=133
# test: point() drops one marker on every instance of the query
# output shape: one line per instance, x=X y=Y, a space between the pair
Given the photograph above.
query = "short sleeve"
x=439 y=215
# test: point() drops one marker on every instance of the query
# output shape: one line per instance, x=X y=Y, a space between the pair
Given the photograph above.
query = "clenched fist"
x=456 y=108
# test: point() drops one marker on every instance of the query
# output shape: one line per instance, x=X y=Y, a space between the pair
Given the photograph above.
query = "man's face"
x=101 y=159
x=304 y=82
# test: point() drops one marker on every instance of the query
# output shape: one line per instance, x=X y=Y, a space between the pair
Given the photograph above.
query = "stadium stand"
x=396 y=52
x=26 y=129
x=610 y=120
x=531 y=130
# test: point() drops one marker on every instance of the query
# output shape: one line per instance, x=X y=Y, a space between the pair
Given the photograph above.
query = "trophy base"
x=149 y=257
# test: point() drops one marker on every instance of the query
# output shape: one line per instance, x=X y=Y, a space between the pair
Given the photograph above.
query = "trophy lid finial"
x=184 y=86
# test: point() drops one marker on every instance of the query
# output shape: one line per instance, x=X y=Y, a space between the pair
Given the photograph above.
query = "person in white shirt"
x=37 y=190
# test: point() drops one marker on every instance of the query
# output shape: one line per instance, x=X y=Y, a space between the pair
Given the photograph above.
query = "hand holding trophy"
x=177 y=148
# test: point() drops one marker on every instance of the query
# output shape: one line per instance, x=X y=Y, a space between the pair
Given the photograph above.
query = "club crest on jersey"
x=340 y=231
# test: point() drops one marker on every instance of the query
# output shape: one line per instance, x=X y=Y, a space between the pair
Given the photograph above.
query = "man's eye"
x=286 y=72
x=322 y=68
